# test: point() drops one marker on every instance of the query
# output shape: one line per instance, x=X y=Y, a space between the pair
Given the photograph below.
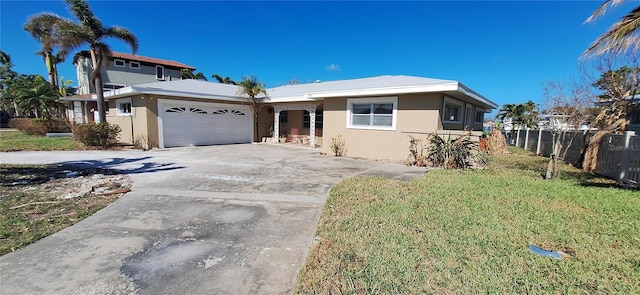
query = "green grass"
x=20 y=141
x=459 y=232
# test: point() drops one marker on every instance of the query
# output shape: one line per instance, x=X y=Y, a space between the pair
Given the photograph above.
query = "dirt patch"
x=39 y=200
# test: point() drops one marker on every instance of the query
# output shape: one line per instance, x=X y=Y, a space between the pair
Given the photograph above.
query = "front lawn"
x=461 y=232
x=19 y=141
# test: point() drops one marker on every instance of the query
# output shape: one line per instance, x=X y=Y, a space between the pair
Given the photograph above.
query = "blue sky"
x=502 y=49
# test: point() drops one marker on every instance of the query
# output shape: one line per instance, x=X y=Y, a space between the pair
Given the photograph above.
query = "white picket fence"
x=618 y=157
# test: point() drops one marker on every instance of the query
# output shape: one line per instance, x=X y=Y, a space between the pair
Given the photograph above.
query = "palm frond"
x=620 y=37
x=602 y=9
x=123 y=34
x=81 y=10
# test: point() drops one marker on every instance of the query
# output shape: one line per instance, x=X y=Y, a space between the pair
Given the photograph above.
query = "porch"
x=291 y=124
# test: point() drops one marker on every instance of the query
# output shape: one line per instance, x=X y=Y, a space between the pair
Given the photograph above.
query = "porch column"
x=312 y=125
x=276 y=124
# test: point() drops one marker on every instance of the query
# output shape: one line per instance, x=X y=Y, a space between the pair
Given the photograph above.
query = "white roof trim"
x=384 y=91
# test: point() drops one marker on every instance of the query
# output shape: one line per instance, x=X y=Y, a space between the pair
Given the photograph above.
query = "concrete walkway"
x=234 y=219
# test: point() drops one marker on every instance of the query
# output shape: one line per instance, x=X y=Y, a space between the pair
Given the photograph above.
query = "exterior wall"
x=265 y=121
x=126 y=76
x=417 y=115
x=134 y=127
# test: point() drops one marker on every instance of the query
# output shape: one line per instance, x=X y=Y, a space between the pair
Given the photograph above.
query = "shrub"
x=97 y=134
x=416 y=153
x=29 y=126
x=337 y=146
x=454 y=153
x=55 y=125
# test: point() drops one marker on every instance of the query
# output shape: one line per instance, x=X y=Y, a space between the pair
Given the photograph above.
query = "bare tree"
x=568 y=105
x=618 y=81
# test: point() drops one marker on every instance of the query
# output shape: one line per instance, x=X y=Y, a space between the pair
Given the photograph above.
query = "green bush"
x=97 y=134
x=29 y=126
x=454 y=153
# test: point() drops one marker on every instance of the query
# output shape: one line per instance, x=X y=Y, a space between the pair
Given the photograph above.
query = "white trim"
x=131 y=63
x=115 y=63
x=373 y=100
x=123 y=101
x=454 y=102
x=156 y=73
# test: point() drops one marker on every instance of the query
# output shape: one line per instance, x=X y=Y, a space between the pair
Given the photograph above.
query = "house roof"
x=140 y=58
x=184 y=88
x=380 y=85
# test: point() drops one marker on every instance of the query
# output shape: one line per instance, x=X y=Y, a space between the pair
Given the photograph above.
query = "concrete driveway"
x=233 y=219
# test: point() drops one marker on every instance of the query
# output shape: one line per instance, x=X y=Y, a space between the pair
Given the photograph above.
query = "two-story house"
x=121 y=70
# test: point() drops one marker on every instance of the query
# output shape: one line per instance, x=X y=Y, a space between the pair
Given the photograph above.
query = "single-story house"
x=375 y=116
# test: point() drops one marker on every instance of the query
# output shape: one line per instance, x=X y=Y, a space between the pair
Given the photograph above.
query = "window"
x=123 y=107
x=118 y=63
x=160 y=72
x=108 y=87
x=306 y=119
x=284 y=116
x=452 y=111
x=479 y=116
x=372 y=113
x=134 y=65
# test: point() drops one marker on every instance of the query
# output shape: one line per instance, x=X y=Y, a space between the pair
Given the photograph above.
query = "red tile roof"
x=140 y=58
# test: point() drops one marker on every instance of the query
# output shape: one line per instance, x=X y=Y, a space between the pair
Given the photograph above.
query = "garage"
x=198 y=123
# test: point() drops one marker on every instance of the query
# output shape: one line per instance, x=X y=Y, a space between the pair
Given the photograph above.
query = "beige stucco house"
x=375 y=116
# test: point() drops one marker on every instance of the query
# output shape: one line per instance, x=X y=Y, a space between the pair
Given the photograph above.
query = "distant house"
x=375 y=116
x=121 y=70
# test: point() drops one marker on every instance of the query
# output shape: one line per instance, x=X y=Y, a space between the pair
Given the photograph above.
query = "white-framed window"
x=452 y=110
x=160 y=72
x=123 y=107
x=479 y=116
x=372 y=113
x=119 y=63
x=134 y=65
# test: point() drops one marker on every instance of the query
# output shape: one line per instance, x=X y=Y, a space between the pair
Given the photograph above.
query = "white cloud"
x=333 y=67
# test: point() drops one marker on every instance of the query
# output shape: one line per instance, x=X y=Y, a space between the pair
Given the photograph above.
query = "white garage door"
x=205 y=124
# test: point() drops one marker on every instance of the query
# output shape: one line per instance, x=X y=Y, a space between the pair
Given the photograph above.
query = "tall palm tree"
x=43 y=27
x=250 y=86
x=91 y=31
x=621 y=36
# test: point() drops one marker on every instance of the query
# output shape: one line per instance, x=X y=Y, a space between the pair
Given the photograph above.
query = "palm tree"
x=36 y=94
x=225 y=80
x=522 y=115
x=92 y=32
x=189 y=74
x=621 y=36
x=7 y=78
x=43 y=27
x=250 y=86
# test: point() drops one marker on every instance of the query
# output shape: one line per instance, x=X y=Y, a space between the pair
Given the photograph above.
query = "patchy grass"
x=28 y=212
x=19 y=141
x=458 y=232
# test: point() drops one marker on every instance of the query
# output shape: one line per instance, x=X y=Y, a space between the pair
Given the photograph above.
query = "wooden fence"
x=618 y=157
